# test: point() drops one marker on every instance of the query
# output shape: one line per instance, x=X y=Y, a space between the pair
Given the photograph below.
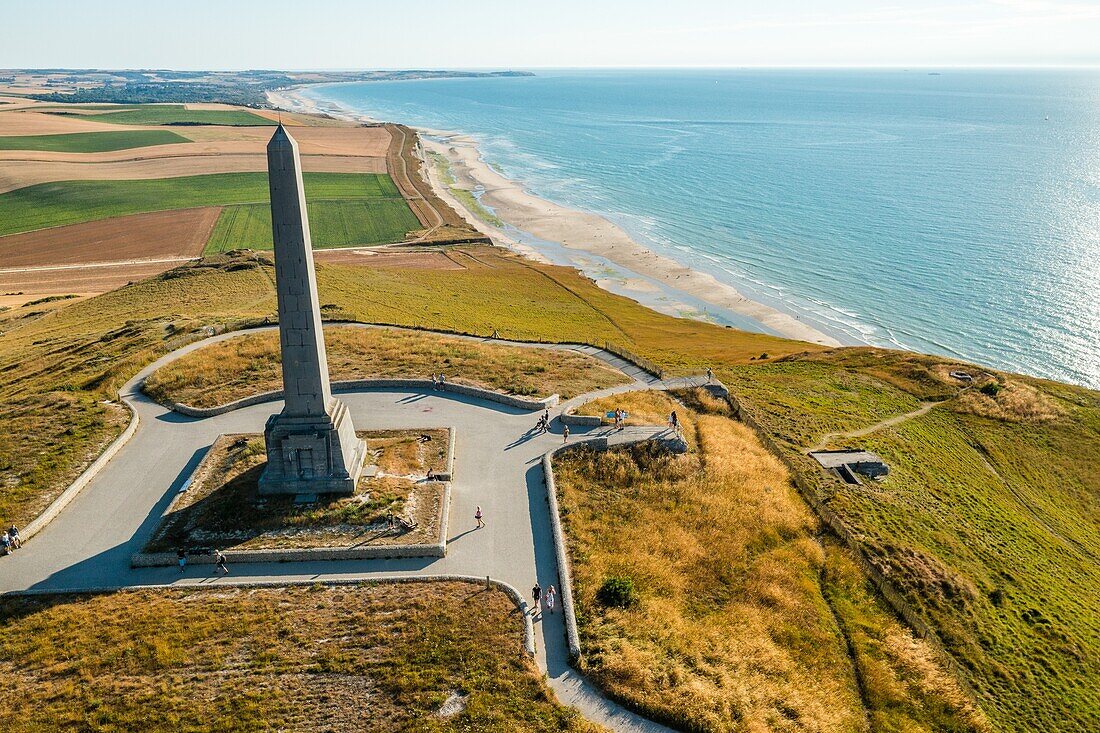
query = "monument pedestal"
x=312 y=455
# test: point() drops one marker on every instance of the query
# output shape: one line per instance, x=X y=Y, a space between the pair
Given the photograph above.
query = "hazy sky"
x=350 y=34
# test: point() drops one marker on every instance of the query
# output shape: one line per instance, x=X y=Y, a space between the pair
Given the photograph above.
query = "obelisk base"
x=312 y=455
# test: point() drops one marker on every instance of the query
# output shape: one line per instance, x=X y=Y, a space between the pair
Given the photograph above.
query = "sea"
x=952 y=211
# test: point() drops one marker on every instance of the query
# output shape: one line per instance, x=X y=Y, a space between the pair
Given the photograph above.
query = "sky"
x=366 y=34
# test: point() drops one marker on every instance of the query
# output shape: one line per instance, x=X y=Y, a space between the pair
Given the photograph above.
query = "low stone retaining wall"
x=522 y=403
x=565 y=572
x=304 y=554
x=38 y=523
x=508 y=590
x=587 y=421
x=167 y=559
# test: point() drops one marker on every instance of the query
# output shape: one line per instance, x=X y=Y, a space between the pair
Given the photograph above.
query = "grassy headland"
x=985 y=523
x=988 y=523
x=350 y=658
x=742 y=615
x=248 y=365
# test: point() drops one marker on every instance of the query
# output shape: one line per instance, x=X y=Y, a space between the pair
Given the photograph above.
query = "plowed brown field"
x=142 y=236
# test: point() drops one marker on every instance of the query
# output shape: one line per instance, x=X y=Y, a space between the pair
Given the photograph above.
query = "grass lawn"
x=166 y=114
x=71 y=202
x=732 y=626
x=348 y=658
x=332 y=224
x=989 y=522
x=251 y=364
x=91 y=142
x=223 y=510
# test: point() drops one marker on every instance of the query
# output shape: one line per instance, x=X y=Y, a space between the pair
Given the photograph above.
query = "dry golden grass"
x=250 y=364
x=351 y=658
x=732 y=631
x=1016 y=402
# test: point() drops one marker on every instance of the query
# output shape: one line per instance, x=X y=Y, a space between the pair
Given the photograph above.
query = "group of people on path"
x=543 y=424
x=545 y=598
x=219 y=561
x=439 y=381
x=620 y=418
x=10 y=541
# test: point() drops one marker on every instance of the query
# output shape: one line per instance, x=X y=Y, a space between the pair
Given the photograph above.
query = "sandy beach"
x=578 y=231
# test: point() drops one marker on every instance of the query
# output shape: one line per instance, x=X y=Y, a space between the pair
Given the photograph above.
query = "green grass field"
x=332 y=224
x=91 y=142
x=167 y=114
x=71 y=202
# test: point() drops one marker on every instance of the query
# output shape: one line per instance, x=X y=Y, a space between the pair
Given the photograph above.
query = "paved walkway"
x=498 y=466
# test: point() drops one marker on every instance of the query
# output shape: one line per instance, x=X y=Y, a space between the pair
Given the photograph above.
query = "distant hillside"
x=147 y=86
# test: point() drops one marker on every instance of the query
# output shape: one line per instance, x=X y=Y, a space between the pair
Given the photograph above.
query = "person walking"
x=479 y=517
x=550 y=595
x=5 y=544
x=181 y=558
x=536 y=593
x=219 y=562
x=565 y=434
x=710 y=375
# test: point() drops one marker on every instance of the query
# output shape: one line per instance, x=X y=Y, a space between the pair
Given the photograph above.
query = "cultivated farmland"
x=71 y=202
x=141 y=236
x=164 y=114
x=91 y=142
x=332 y=224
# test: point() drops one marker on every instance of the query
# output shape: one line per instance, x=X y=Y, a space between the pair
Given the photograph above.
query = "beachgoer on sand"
x=479 y=517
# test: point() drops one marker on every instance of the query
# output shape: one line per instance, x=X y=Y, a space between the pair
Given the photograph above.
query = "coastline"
x=577 y=232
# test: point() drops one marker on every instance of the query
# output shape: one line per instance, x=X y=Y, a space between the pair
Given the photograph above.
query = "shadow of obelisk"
x=311 y=445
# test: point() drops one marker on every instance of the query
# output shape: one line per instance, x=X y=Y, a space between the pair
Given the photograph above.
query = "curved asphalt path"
x=497 y=466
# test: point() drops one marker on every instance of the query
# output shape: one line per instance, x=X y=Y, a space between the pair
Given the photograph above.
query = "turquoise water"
x=955 y=213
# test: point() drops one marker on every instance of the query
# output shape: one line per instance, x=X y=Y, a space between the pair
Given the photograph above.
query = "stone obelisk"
x=311 y=445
